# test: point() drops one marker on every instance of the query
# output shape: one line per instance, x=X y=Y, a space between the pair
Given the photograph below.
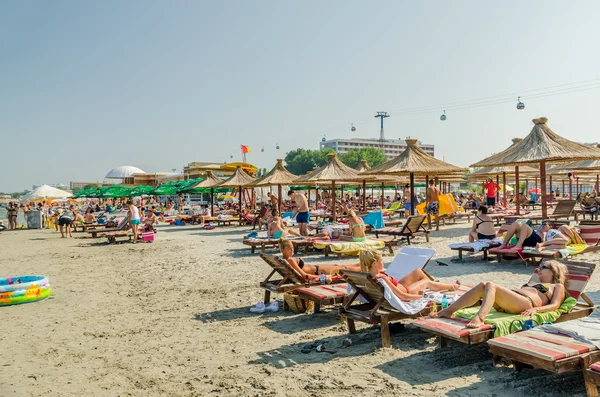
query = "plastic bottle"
x=322 y=278
x=444 y=302
x=307 y=282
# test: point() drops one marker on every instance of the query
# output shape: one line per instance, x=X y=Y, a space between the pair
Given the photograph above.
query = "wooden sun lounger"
x=413 y=225
x=299 y=244
x=564 y=209
x=290 y=278
x=455 y=328
x=552 y=352
x=228 y=221
x=115 y=237
x=122 y=226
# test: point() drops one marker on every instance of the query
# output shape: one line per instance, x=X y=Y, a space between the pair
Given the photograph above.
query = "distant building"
x=391 y=147
x=76 y=186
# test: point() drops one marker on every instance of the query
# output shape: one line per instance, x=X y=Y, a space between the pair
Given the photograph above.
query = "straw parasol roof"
x=493 y=171
x=363 y=166
x=334 y=170
x=587 y=166
x=210 y=181
x=414 y=160
x=279 y=175
x=239 y=178
x=542 y=144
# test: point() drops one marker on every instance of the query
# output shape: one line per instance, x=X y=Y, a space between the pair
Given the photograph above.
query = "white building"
x=391 y=147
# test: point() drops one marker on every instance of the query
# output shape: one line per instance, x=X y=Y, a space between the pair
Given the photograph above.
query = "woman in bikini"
x=527 y=237
x=357 y=228
x=412 y=286
x=483 y=226
x=89 y=217
x=545 y=296
x=277 y=229
x=308 y=270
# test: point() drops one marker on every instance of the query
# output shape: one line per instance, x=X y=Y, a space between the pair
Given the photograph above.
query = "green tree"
x=91 y=186
x=301 y=161
x=373 y=156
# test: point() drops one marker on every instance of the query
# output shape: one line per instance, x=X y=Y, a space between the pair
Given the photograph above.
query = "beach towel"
x=506 y=323
x=375 y=219
x=348 y=247
x=477 y=246
x=570 y=249
x=414 y=306
x=585 y=329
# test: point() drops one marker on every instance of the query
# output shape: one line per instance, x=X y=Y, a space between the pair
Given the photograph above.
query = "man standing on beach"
x=491 y=188
x=301 y=212
x=433 y=204
x=273 y=200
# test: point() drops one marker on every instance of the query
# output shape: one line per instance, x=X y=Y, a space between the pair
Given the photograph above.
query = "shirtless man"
x=433 y=204
x=301 y=212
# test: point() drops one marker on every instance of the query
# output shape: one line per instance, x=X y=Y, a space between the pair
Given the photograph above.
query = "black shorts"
x=532 y=240
x=491 y=201
x=485 y=236
x=64 y=221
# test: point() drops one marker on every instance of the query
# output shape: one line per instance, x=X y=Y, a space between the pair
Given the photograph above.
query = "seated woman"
x=89 y=217
x=483 y=226
x=263 y=215
x=545 y=296
x=357 y=228
x=276 y=227
x=328 y=233
x=526 y=235
x=411 y=286
x=150 y=218
x=308 y=270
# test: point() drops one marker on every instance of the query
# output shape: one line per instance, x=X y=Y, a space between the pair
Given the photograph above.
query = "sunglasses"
x=542 y=267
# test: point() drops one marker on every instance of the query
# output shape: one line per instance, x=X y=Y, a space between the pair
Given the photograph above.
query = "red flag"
x=245 y=149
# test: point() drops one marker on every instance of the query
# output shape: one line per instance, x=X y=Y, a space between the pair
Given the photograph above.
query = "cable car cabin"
x=353 y=128
x=443 y=116
x=520 y=105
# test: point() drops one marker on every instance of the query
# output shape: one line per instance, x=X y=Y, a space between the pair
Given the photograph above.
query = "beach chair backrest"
x=409 y=259
x=281 y=266
x=413 y=223
x=564 y=208
x=368 y=287
x=590 y=233
x=578 y=275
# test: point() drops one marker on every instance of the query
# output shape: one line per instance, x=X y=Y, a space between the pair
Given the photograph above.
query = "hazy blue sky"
x=89 y=85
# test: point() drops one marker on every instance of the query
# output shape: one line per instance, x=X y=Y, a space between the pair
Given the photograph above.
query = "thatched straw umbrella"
x=239 y=179
x=332 y=172
x=278 y=176
x=491 y=172
x=582 y=167
x=362 y=169
x=540 y=147
x=210 y=182
x=414 y=161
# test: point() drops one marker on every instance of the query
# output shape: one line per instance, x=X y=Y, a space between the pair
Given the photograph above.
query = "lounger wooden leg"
x=590 y=388
x=316 y=307
x=427 y=237
x=460 y=254
x=351 y=325
x=268 y=297
x=385 y=331
x=485 y=255
x=443 y=342
x=495 y=359
x=390 y=248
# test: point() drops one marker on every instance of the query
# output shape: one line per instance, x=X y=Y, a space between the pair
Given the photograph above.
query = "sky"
x=87 y=86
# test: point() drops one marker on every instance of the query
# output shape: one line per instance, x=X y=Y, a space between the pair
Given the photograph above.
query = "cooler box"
x=148 y=237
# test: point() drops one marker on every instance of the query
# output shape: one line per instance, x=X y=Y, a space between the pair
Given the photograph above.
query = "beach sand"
x=171 y=319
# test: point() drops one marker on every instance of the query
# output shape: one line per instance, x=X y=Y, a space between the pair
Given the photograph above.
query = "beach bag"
x=179 y=222
x=297 y=304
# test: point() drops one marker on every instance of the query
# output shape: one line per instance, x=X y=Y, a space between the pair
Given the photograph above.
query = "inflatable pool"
x=23 y=289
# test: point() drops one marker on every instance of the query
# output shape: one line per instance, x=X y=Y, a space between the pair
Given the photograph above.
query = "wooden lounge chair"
x=377 y=310
x=552 y=352
x=414 y=224
x=563 y=210
x=253 y=243
x=228 y=221
x=290 y=278
x=455 y=328
x=99 y=232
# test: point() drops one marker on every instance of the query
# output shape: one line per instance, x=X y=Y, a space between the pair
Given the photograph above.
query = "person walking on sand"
x=11 y=214
x=134 y=219
x=491 y=188
x=433 y=204
x=301 y=211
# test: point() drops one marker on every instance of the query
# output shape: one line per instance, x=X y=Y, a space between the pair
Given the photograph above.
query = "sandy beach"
x=171 y=319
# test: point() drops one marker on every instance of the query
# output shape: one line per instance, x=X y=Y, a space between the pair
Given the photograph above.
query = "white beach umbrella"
x=46 y=192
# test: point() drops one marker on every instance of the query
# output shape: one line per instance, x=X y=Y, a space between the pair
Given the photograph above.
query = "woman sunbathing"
x=276 y=227
x=557 y=239
x=411 y=286
x=357 y=228
x=89 y=217
x=483 y=226
x=307 y=270
x=545 y=296
x=526 y=235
